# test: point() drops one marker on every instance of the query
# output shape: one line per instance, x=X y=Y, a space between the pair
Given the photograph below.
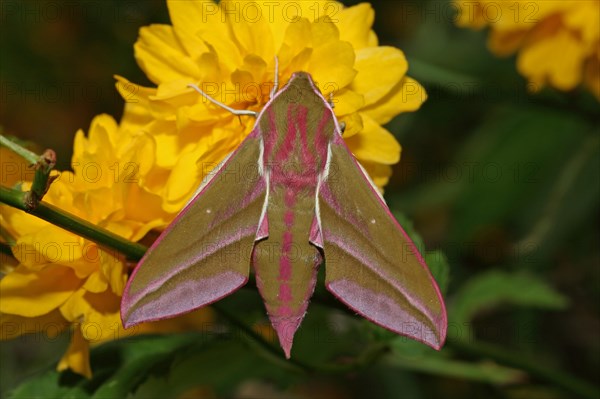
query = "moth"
x=290 y=198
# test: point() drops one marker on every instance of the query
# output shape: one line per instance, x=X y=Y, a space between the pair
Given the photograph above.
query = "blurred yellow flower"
x=63 y=280
x=558 y=42
x=229 y=50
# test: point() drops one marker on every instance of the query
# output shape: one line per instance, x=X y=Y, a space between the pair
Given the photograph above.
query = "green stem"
x=533 y=367
x=503 y=356
x=256 y=338
x=41 y=179
x=43 y=166
x=369 y=356
x=29 y=156
x=74 y=224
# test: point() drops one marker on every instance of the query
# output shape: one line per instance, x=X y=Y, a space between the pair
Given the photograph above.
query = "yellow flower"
x=229 y=49
x=63 y=280
x=558 y=42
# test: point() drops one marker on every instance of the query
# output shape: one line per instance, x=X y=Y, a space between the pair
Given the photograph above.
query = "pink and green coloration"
x=290 y=197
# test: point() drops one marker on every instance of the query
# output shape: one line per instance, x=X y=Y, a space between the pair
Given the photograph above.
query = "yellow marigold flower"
x=64 y=280
x=558 y=42
x=229 y=50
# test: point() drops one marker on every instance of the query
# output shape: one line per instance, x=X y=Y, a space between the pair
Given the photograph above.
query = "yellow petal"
x=299 y=34
x=98 y=143
x=354 y=124
x=503 y=42
x=332 y=73
x=203 y=114
x=133 y=93
x=103 y=133
x=135 y=116
x=272 y=12
x=14 y=168
x=188 y=17
x=105 y=303
x=48 y=244
x=100 y=203
x=35 y=293
x=379 y=173
x=18 y=222
x=295 y=50
x=136 y=158
x=182 y=182
x=557 y=60
x=156 y=180
x=96 y=282
x=167 y=144
x=161 y=56
x=87 y=265
x=77 y=357
x=173 y=94
x=225 y=142
x=75 y=307
x=251 y=31
x=355 y=25
x=101 y=321
x=300 y=62
x=143 y=207
x=379 y=70
x=347 y=102
x=407 y=96
x=470 y=14
x=323 y=30
x=374 y=143
x=584 y=16
x=114 y=270
x=226 y=50
x=248 y=76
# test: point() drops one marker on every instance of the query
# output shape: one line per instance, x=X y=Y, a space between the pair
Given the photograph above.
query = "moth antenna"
x=220 y=104
x=276 y=79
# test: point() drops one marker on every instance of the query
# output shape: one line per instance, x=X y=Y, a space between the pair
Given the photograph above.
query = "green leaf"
x=213 y=367
x=119 y=368
x=140 y=358
x=509 y=169
x=436 y=260
x=411 y=355
x=481 y=371
x=409 y=228
x=491 y=289
x=48 y=386
x=438 y=265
